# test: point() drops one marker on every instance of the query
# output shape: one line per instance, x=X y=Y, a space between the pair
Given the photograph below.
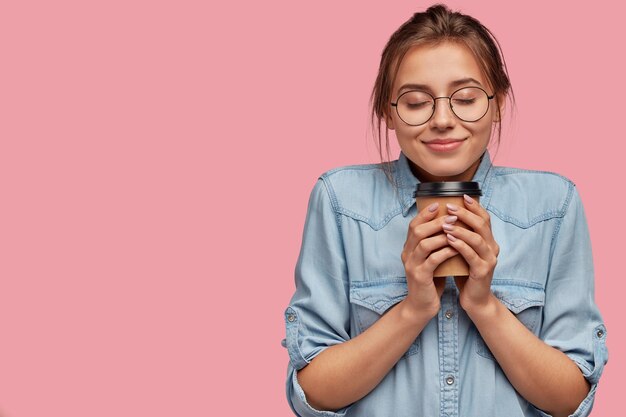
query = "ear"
x=500 y=115
x=389 y=122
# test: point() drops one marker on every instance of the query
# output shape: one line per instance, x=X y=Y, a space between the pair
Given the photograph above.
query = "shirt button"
x=450 y=380
x=449 y=314
x=291 y=318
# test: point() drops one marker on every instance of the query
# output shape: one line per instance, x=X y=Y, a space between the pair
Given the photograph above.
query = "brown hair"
x=435 y=25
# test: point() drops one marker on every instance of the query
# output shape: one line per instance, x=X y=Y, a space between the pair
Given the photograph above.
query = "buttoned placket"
x=448 y=350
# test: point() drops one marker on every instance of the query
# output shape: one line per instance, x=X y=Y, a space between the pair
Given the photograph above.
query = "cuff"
x=592 y=375
x=298 y=403
x=291 y=341
x=583 y=410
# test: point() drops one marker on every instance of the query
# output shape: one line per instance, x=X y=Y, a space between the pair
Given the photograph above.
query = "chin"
x=444 y=172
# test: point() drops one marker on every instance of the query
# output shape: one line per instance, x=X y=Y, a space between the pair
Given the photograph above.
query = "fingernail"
x=433 y=207
x=450 y=219
x=452 y=207
x=451 y=238
x=448 y=227
x=468 y=199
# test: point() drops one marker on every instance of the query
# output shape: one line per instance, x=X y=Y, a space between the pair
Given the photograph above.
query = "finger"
x=480 y=225
x=422 y=226
x=473 y=206
x=475 y=262
x=423 y=248
x=425 y=215
x=473 y=239
x=423 y=231
x=436 y=258
x=426 y=246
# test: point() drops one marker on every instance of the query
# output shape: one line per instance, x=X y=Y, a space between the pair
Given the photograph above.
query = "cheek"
x=484 y=126
x=409 y=133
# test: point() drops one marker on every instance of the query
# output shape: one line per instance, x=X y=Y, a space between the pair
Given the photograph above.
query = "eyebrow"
x=456 y=83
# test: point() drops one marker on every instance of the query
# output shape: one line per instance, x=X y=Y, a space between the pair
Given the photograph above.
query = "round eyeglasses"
x=416 y=107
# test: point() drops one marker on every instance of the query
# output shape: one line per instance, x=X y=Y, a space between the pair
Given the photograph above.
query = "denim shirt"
x=349 y=273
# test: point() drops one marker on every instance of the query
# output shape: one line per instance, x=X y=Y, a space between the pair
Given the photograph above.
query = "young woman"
x=369 y=331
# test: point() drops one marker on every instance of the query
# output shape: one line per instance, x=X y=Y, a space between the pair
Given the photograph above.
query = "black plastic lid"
x=447 y=188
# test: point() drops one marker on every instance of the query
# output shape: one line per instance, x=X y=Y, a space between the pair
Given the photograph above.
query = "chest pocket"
x=371 y=299
x=523 y=298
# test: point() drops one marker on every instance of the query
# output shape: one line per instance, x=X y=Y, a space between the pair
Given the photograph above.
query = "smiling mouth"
x=444 y=145
x=442 y=141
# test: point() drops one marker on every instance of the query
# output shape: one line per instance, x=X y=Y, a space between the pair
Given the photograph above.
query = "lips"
x=444 y=145
x=442 y=141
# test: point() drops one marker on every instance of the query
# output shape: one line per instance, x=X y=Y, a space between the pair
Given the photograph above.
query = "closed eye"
x=417 y=105
x=465 y=102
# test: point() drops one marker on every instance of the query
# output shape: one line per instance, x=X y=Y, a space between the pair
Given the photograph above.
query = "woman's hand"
x=425 y=248
x=479 y=249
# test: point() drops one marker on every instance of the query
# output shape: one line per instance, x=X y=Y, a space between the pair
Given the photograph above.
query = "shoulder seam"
x=500 y=171
x=340 y=211
x=557 y=229
x=361 y=167
x=333 y=199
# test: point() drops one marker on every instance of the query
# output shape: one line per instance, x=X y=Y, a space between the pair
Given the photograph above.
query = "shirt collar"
x=407 y=182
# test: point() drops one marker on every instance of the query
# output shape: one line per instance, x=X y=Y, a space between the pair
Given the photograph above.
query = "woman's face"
x=440 y=70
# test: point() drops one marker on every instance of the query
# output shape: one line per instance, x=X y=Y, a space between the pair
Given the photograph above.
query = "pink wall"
x=155 y=164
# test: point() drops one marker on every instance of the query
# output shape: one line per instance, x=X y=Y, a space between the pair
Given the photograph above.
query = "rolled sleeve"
x=572 y=322
x=318 y=314
x=297 y=399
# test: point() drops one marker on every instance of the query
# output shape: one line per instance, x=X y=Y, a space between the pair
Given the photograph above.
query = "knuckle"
x=442 y=255
x=474 y=258
x=435 y=258
x=417 y=273
x=430 y=263
x=480 y=272
x=451 y=252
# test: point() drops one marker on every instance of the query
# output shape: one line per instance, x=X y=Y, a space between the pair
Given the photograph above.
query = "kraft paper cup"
x=452 y=192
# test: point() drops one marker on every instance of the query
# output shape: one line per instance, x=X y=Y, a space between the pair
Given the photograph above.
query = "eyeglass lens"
x=417 y=107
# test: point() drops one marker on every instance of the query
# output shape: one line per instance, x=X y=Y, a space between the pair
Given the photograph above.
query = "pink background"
x=156 y=160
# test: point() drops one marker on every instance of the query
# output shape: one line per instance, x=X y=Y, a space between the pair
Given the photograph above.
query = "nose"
x=443 y=117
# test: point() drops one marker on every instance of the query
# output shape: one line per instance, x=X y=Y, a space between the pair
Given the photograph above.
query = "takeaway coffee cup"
x=452 y=192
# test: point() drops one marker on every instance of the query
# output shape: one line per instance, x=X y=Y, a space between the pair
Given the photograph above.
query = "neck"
x=424 y=176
